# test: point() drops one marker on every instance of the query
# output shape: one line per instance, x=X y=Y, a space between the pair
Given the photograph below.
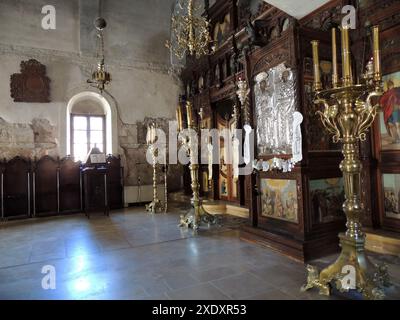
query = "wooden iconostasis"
x=300 y=212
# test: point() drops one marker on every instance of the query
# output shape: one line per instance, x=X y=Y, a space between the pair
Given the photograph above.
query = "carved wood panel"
x=115 y=182
x=31 y=84
x=46 y=185
x=70 y=185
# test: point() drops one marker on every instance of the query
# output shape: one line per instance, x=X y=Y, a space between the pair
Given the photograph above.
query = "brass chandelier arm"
x=367 y=117
x=328 y=118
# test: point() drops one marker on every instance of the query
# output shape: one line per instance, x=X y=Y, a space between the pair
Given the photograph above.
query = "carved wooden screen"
x=70 y=186
x=16 y=184
x=114 y=183
x=46 y=186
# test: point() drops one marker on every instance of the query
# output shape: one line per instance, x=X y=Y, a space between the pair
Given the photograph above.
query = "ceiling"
x=296 y=8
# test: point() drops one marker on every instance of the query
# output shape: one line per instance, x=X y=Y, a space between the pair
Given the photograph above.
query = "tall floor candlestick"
x=347 y=112
x=156 y=205
x=197 y=214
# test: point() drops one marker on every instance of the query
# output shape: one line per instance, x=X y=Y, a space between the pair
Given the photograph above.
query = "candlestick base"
x=155 y=206
x=351 y=271
x=196 y=216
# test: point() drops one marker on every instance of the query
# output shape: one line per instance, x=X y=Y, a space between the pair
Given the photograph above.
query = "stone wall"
x=28 y=140
x=142 y=85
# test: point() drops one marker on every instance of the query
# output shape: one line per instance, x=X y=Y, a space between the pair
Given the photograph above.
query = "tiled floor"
x=134 y=255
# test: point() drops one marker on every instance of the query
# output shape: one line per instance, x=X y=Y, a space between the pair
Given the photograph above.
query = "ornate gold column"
x=348 y=112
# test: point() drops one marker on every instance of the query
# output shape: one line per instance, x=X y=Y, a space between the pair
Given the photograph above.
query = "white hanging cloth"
x=210 y=161
x=235 y=158
x=246 y=145
x=297 y=152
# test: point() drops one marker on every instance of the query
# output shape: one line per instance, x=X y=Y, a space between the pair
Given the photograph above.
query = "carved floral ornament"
x=32 y=84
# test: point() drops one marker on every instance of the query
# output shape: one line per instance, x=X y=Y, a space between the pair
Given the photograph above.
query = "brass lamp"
x=100 y=77
x=348 y=111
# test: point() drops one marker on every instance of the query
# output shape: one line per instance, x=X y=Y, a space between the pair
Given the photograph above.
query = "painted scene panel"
x=391 y=187
x=279 y=199
x=327 y=197
x=389 y=117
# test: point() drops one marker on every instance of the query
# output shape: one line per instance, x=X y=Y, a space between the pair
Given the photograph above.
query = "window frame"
x=87 y=116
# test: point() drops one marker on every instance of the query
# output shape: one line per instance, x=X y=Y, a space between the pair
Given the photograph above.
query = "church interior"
x=199 y=150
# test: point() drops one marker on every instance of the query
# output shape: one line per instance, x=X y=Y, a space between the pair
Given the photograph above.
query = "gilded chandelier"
x=100 y=77
x=190 y=32
x=348 y=111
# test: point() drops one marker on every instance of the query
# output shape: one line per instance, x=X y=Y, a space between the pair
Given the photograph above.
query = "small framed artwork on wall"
x=279 y=199
x=391 y=193
x=389 y=200
x=389 y=117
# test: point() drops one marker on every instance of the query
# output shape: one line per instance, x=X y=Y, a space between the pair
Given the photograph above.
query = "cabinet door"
x=114 y=183
x=16 y=182
x=70 y=186
x=46 y=191
x=95 y=193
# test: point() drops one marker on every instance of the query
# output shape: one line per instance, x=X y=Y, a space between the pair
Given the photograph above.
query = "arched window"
x=91 y=121
x=88 y=128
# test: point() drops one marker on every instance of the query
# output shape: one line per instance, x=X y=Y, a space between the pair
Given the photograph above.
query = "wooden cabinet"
x=95 y=189
x=115 y=182
x=16 y=188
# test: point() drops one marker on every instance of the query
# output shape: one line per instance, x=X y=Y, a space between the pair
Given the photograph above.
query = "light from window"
x=87 y=132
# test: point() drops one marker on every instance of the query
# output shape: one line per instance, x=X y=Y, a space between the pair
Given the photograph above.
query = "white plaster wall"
x=21 y=24
x=135 y=55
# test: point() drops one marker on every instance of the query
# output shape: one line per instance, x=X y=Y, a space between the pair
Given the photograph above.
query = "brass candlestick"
x=197 y=214
x=165 y=183
x=348 y=113
x=155 y=206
